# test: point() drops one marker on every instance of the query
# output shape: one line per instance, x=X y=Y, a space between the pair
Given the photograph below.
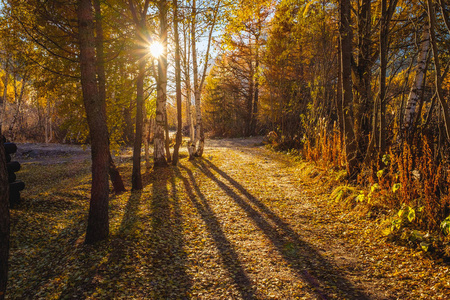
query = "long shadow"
x=312 y=268
x=112 y=268
x=229 y=257
x=167 y=256
x=130 y=216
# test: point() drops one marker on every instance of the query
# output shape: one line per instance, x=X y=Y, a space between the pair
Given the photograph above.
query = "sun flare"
x=156 y=49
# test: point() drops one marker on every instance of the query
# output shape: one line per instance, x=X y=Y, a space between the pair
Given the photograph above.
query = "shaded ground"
x=241 y=223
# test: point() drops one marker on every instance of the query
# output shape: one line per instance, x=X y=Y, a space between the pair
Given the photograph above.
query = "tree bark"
x=419 y=77
x=198 y=113
x=159 y=143
x=364 y=75
x=146 y=142
x=383 y=67
x=187 y=83
x=98 y=222
x=4 y=221
x=437 y=65
x=345 y=32
x=136 y=178
x=199 y=140
x=167 y=137
x=179 y=137
x=114 y=174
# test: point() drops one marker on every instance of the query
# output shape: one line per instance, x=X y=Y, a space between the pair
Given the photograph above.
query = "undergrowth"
x=406 y=191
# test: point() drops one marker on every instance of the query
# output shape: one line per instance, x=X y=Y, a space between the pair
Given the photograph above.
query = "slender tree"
x=116 y=178
x=161 y=86
x=178 y=139
x=437 y=66
x=416 y=91
x=140 y=19
x=199 y=78
x=345 y=32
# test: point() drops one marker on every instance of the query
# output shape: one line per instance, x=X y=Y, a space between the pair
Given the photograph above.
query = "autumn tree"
x=246 y=25
x=177 y=83
x=139 y=15
x=199 y=76
x=159 y=156
x=98 y=221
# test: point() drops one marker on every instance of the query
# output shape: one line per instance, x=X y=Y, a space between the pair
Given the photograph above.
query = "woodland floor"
x=241 y=223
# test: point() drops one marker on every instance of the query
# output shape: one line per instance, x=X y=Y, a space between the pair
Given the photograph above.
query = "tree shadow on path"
x=167 y=255
x=320 y=275
x=228 y=254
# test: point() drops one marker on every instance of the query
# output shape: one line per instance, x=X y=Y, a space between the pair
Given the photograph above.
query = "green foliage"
x=445 y=226
x=345 y=194
x=405 y=216
x=396 y=187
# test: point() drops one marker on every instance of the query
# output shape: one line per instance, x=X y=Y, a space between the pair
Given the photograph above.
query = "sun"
x=156 y=49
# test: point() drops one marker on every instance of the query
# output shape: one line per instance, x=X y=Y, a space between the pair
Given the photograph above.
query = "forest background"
x=355 y=85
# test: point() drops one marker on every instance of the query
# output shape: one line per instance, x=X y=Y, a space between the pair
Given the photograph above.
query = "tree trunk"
x=179 y=137
x=4 y=221
x=167 y=139
x=18 y=101
x=383 y=66
x=116 y=178
x=198 y=82
x=251 y=91
x=364 y=74
x=198 y=113
x=345 y=32
x=256 y=93
x=146 y=142
x=128 y=134
x=46 y=123
x=437 y=65
x=417 y=87
x=136 y=178
x=3 y=99
x=187 y=80
x=159 y=143
x=98 y=222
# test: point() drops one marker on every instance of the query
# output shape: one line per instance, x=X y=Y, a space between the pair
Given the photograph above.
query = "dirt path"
x=288 y=242
x=258 y=216
x=241 y=223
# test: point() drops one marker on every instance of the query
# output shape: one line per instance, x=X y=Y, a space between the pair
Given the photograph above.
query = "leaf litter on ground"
x=242 y=223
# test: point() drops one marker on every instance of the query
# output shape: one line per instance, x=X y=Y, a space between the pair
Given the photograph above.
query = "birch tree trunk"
x=417 y=87
x=167 y=136
x=198 y=112
x=187 y=83
x=199 y=81
x=179 y=137
x=159 y=143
